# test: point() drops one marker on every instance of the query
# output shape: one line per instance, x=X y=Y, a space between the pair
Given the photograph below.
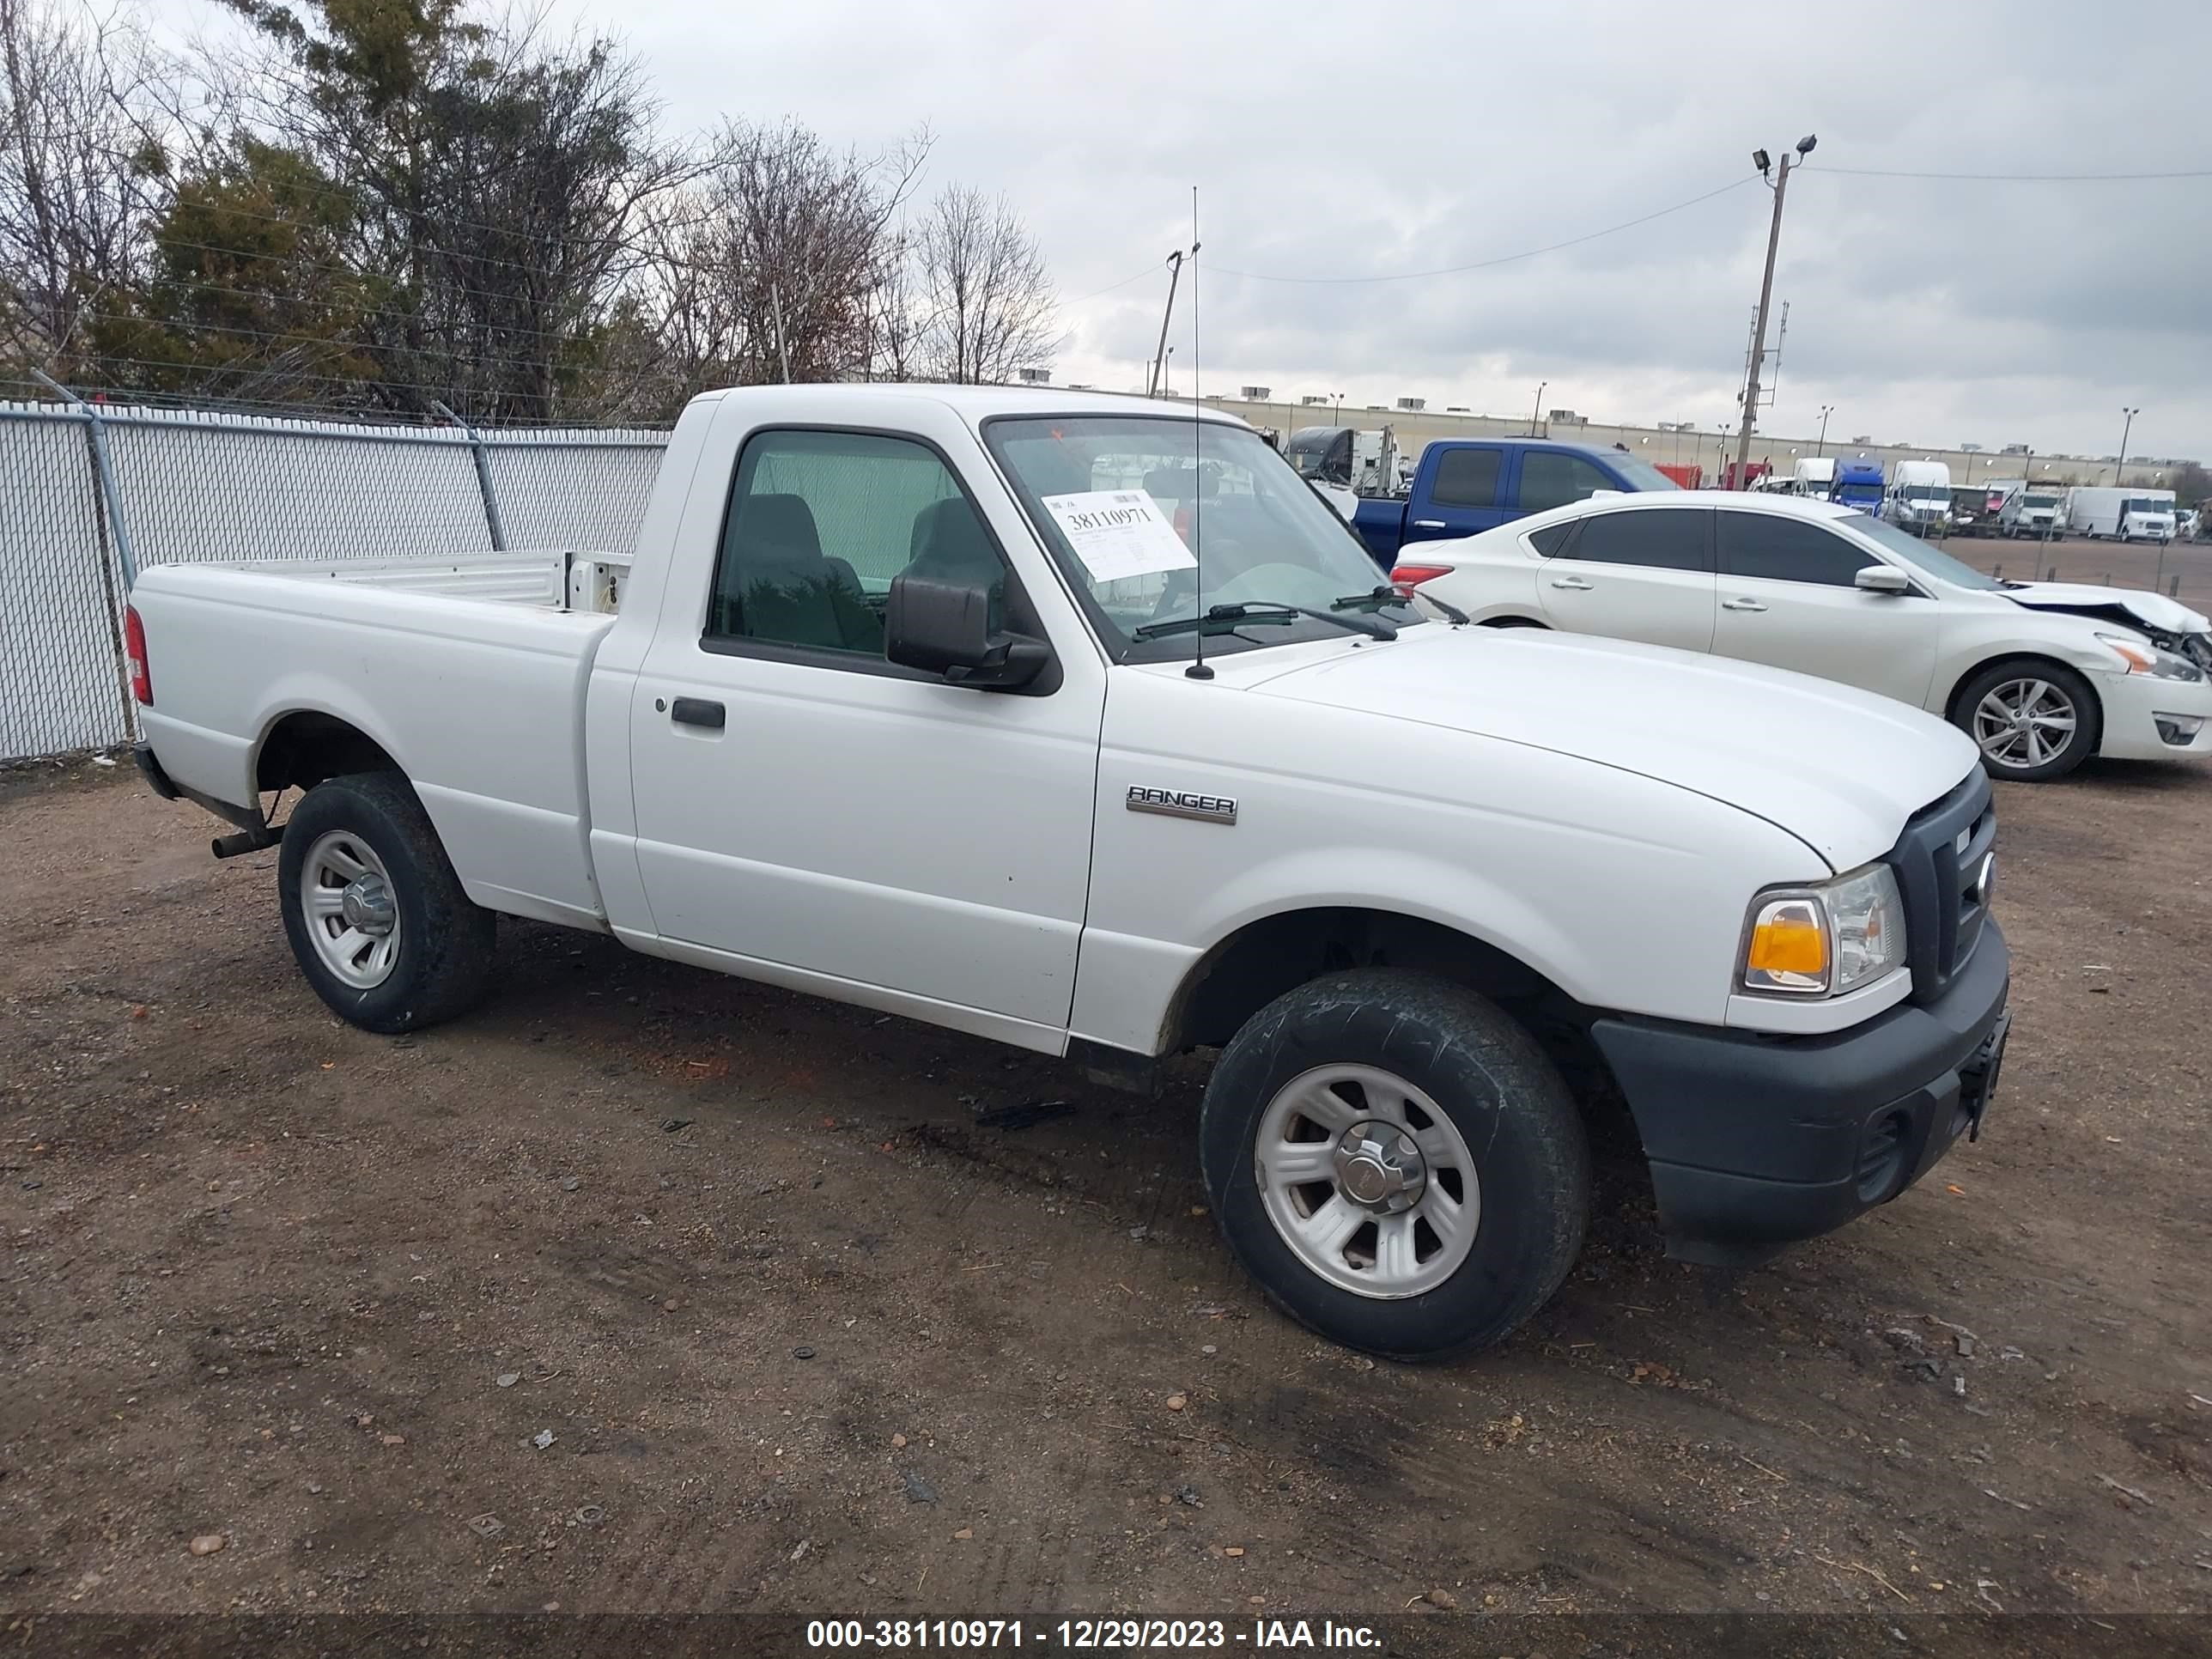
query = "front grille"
x=1938 y=864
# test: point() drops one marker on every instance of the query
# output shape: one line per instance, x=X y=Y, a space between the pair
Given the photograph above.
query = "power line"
x=2013 y=178
x=1504 y=258
x=1149 y=270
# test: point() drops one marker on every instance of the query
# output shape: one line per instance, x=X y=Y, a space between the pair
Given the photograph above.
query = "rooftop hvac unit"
x=1567 y=418
x=1036 y=376
x=1255 y=394
x=1412 y=405
x=1312 y=398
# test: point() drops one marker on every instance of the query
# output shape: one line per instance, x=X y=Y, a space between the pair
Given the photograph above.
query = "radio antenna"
x=1198 y=669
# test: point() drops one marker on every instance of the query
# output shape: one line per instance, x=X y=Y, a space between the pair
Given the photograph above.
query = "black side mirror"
x=945 y=628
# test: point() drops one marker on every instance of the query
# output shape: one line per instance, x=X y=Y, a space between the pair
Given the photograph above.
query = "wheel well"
x=1261 y=961
x=306 y=747
x=1513 y=622
x=2021 y=660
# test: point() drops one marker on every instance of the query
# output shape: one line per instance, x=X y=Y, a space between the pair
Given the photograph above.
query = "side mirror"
x=1881 y=579
x=945 y=628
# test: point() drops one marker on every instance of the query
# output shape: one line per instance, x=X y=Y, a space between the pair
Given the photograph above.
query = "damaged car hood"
x=2153 y=611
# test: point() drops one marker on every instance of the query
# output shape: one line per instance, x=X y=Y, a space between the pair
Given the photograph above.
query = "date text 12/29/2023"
x=1086 y=1634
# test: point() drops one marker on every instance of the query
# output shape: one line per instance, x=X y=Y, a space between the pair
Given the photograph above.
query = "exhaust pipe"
x=247 y=841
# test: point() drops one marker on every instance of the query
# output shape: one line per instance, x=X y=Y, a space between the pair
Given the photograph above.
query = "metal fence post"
x=110 y=497
x=484 y=478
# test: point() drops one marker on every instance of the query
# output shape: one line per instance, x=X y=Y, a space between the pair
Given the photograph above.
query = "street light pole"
x=2120 y=466
x=1765 y=299
x=1539 y=407
x=1826 y=409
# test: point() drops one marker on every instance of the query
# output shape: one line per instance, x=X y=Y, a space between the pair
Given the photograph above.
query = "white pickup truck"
x=900 y=702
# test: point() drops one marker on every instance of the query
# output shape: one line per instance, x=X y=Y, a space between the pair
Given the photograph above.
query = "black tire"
x=1503 y=1095
x=2089 y=714
x=446 y=944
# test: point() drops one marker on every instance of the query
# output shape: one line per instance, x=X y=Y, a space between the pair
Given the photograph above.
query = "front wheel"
x=2033 y=722
x=1338 y=1142
x=375 y=915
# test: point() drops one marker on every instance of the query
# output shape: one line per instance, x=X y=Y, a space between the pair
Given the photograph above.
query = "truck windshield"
x=1919 y=554
x=1924 y=492
x=1127 y=503
x=1639 y=472
x=2038 y=501
x=2146 y=504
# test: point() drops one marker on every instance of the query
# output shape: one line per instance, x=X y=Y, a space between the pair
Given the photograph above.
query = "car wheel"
x=376 y=917
x=1338 y=1141
x=2033 y=722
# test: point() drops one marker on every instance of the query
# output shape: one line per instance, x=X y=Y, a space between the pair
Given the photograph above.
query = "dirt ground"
x=642 y=1289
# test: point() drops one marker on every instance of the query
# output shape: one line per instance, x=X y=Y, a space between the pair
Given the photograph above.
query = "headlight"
x=1825 y=940
x=2143 y=658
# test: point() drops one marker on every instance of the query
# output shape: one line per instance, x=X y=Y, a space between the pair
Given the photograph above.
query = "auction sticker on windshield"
x=1118 y=533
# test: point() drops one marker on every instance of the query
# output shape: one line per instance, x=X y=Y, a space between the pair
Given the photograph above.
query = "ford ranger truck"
x=1086 y=726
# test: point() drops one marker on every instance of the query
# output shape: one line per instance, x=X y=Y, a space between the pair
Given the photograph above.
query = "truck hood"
x=1838 y=768
x=2156 y=609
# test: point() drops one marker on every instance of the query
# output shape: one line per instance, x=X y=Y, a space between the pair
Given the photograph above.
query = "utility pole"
x=1538 y=408
x=1765 y=297
x=782 y=348
x=2120 y=467
x=1826 y=409
x=1160 y=357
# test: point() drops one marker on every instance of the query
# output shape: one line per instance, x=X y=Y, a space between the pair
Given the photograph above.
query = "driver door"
x=803 y=802
x=1788 y=600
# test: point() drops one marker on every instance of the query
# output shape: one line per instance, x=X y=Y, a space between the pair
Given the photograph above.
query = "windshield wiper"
x=1386 y=594
x=1230 y=615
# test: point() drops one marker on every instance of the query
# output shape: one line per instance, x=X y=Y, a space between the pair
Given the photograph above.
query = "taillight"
x=1411 y=576
x=133 y=656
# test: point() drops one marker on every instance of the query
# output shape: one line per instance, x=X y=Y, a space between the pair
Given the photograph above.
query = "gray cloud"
x=1421 y=134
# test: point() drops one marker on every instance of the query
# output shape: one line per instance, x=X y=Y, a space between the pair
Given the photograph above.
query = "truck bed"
x=555 y=579
x=470 y=673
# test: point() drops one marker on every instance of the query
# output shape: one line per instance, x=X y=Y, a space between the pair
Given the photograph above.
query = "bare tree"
x=81 y=169
x=780 y=255
x=986 y=295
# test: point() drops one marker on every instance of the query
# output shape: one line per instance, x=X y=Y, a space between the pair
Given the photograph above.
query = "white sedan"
x=2040 y=675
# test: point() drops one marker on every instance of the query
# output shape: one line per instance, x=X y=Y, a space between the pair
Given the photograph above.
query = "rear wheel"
x=376 y=916
x=2033 y=722
x=1338 y=1143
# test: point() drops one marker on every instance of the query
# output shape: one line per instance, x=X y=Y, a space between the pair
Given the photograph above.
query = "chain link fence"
x=91 y=495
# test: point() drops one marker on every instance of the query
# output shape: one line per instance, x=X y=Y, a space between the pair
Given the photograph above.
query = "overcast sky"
x=1335 y=141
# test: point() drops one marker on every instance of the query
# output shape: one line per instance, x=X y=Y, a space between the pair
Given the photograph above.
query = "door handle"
x=1575 y=582
x=1742 y=604
x=1428 y=523
x=696 y=711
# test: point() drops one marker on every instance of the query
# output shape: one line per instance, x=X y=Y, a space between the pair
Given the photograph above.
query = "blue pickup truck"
x=1466 y=485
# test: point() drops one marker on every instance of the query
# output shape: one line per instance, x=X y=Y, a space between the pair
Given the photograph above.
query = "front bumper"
x=2132 y=705
x=1756 y=1141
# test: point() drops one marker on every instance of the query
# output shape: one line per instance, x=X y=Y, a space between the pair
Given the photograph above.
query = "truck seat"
x=786 y=589
x=949 y=544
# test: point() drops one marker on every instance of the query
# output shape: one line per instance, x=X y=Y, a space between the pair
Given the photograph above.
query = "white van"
x=1918 y=498
x=2124 y=514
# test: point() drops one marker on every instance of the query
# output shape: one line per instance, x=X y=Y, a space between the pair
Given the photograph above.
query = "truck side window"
x=1467 y=478
x=1766 y=544
x=1550 y=478
x=819 y=523
x=1667 y=537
